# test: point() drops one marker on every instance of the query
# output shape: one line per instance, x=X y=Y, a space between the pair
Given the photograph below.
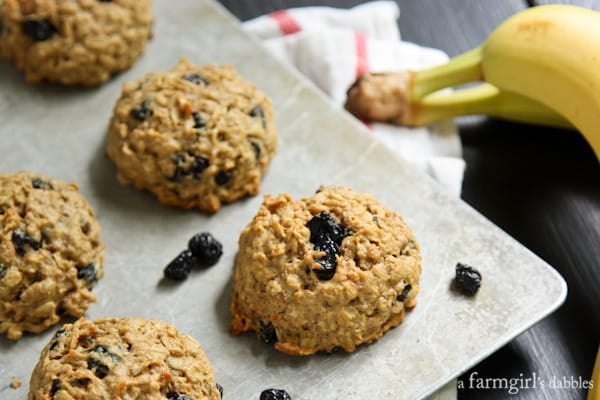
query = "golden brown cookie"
x=50 y=253
x=196 y=137
x=74 y=42
x=122 y=358
x=332 y=270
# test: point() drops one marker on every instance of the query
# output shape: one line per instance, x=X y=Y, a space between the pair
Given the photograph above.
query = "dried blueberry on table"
x=87 y=273
x=206 y=249
x=141 y=112
x=220 y=389
x=195 y=78
x=467 y=280
x=20 y=240
x=56 y=386
x=404 y=293
x=223 y=177
x=267 y=333
x=100 y=369
x=38 y=29
x=177 y=396
x=181 y=266
x=259 y=112
x=199 y=122
x=274 y=394
x=38 y=183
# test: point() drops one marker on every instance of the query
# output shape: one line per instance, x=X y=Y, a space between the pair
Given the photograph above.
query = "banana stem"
x=482 y=99
x=461 y=69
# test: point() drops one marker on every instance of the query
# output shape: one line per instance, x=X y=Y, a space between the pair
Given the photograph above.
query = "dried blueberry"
x=274 y=394
x=326 y=235
x=57 y=335
x=220 y=389
x=20 y=240
x=100 y=369
x=141 y=112
x=195 y=78
x=38 y=29
x=179 y=173
x=257 y=149
x=56 y=386
x=223 y=177
x=181 y=266
x=177 y=396
x=105 y=1
x=267 y=333
x=259 y=112
x=206 y=249
x=404 y=293
x=198 y=166
x=199 y=122
x=87 y=273
x=467 y=280
x=38 y=183
x=3 y=270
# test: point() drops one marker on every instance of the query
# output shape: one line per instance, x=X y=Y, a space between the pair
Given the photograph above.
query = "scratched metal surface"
x=61 y=132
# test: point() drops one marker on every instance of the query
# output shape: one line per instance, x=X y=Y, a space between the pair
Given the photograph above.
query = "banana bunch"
x=541 y=66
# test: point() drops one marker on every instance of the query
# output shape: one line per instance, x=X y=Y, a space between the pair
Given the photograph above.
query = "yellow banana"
x=594 y=391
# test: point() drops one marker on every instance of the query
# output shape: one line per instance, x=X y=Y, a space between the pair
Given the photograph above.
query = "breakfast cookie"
x=74 y=42
x=327 y=272
x=196 y=137
x=50 y=253
x=122 y=358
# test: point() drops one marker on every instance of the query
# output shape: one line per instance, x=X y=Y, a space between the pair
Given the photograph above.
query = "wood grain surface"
x=540 y=185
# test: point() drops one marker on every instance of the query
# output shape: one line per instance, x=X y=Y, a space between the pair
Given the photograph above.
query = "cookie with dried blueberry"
x=329 y=271
x=74 y=42
x=51 y=253
x=195 y=137
x=122 y=358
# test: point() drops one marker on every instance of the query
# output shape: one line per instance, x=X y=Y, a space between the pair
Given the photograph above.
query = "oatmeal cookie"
x=196 y=137
x=74 y=42
x=50 y=253
x=329 y=271
x=122 y=358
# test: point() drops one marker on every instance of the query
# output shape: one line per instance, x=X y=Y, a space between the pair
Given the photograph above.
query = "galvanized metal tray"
x=61 y=132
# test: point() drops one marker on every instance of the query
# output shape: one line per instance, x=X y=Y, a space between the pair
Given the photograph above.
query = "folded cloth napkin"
x=332 y=47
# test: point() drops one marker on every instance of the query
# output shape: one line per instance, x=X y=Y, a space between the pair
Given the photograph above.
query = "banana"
x=594 y=390
x=545 y=59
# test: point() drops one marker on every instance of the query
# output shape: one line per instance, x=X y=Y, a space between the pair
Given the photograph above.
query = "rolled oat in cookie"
x=74 y=42
x=326 y=272
x=122 y=358
x=51 y=253
x=195 y=137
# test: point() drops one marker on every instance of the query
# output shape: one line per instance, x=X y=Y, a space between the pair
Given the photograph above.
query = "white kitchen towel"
x=332 y=47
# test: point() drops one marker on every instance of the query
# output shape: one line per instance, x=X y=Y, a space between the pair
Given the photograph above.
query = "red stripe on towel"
x=287 y=23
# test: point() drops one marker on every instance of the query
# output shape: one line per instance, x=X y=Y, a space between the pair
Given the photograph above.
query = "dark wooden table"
x=540 y=185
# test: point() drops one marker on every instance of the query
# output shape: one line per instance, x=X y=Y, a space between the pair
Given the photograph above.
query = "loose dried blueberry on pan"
x=206 y=249
x=142 y=112
x=199 y=121
x=181 y=266
x=87 y=273
x=223 y=177
x=267 y=333
x=38 y=183
x=467 y=279
x=195 y=78
x=404 y=293
x=21 y=240
x=177 y=396
x=274 y=394
x=38 y=29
